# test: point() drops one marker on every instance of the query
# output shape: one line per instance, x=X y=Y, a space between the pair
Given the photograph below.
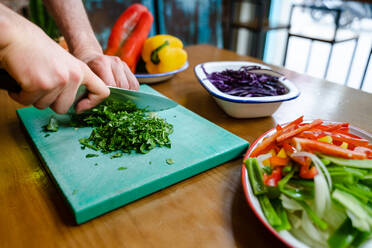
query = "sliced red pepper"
x=129 y=34
x=289 y=149
x=365 y=150
x=307 y=172
x=266 y=143
x=294 y=132
x=332 y=127
x=273 y=179
x=336 y=137
x=328 y=149
x=278 y=161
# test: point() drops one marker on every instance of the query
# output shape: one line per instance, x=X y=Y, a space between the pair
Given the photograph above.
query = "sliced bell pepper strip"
x=292 y=133
x=307 y=172
x=269 y=141
x=328 y=149
x=304 y=161
x=273 y=179
x=278 y=161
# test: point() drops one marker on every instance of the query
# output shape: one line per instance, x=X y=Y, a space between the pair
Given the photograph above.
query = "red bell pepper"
x=273 y=179
x=287 y=135
x=307 y=172
x=270 y=141
x=129 y=34
x=278 y=161
x=328 y=149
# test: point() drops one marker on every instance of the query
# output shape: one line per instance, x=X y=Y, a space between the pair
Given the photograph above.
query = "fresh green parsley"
x=122 y=168
x=117 y=155
x=169 y=161
x=91 y=155
x=52 y=125
x=121 y=126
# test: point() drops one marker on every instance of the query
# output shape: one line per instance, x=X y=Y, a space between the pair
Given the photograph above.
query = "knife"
x=152 y=102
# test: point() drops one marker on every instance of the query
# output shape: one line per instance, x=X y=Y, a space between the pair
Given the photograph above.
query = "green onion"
x=255 y=176
x=269 y=211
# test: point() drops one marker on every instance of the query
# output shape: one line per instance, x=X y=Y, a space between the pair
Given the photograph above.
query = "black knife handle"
x=8 y=83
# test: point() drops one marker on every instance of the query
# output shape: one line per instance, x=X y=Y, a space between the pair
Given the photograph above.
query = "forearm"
x=7 y=19
x=73 y=22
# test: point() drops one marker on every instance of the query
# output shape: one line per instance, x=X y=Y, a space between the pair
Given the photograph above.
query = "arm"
x=73 y=22
x=46 y=73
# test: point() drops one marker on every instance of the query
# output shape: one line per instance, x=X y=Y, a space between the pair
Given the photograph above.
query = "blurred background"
x=329 y=39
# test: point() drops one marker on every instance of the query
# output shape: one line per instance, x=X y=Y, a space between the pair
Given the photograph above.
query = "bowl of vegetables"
x=244 y=89
x=310 y=183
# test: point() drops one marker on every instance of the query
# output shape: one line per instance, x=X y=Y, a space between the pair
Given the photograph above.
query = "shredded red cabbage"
x=245 y=83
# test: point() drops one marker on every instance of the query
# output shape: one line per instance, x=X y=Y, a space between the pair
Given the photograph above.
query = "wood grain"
x=207 y=210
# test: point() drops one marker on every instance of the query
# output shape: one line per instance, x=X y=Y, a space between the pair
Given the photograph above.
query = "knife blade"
x=152 y=102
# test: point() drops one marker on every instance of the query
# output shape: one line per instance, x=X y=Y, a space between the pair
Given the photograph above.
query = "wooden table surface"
x=207 y=210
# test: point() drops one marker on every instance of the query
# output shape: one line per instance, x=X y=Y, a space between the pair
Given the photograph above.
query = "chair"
x=332 y=41
x=259 y=25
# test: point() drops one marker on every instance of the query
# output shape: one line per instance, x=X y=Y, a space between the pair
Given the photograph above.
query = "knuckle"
x=117 y=60
x=62 y=78
x=75 y=76
x=40 y=106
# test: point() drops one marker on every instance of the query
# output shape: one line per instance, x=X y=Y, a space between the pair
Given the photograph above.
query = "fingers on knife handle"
x=8 y=83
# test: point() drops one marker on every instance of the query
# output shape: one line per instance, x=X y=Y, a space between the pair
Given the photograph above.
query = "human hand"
x=111 y=69
x=48 y=75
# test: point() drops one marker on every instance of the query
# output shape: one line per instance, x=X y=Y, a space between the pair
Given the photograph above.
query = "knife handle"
x=8 y=83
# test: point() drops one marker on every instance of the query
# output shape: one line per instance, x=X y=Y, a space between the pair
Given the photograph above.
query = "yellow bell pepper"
x=163 y=53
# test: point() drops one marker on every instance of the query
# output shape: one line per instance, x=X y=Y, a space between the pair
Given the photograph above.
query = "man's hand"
x=111 y=69
x=47 y=74
x=82 y=43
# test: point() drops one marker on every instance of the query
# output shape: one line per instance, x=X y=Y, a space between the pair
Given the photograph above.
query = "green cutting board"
x=93 y=186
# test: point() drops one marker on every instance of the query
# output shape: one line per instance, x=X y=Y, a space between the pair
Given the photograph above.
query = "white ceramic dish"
x=244 y=107
x=147 y=78
x=285 y=236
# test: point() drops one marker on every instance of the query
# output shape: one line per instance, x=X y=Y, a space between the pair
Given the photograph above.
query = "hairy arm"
x=73 y=22
x=47 y=74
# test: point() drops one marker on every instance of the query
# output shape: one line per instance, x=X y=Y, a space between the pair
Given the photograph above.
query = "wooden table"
x=207 y=210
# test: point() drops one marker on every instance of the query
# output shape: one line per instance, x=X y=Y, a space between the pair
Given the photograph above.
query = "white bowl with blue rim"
x=149 y=78
x=245 y=107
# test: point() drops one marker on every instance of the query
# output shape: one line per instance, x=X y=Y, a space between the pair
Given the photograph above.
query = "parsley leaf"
x=52 y=125
x=121 y=126
x=122 y=168
x=90 y=155
x=169 y=161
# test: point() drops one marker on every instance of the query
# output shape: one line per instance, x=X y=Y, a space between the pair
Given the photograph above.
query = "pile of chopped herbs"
x=121 y=126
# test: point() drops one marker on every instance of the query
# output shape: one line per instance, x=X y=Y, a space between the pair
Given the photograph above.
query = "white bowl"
x=148 y=78
x=285 y=236
x=244 y=107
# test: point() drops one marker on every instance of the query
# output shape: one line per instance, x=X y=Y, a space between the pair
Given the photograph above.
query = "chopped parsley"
x=47 y=135
x=169 y=161
x=91 y=155
x=122 y=168
x=117 y=155
x=121 y=126
x=52 y=125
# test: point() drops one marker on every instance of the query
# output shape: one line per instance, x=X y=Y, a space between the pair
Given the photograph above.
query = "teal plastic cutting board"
x=93 y=186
